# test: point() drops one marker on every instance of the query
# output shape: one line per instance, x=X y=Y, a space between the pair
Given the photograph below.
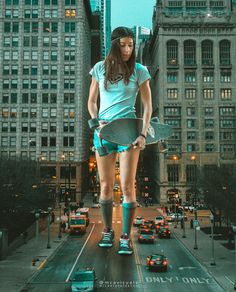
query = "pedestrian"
x=63 y=225
x=117 y=80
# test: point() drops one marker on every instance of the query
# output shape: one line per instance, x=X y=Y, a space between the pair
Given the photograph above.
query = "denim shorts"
x=111 y=147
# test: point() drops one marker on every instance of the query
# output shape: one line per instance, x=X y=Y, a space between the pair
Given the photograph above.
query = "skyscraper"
x=44 y=65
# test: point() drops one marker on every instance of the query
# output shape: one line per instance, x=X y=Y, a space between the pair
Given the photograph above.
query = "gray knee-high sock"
x=106 y=208
x=128 y=216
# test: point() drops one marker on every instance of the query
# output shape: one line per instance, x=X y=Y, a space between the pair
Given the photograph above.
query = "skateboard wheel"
x=93 y=123
x=155 y=120
x=102 y=151
x=163 y=147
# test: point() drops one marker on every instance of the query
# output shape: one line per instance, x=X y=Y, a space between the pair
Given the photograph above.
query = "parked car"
x=172 y=217
x=146 y=235
x=84 y=280
x=157 y=262
x=159 y=219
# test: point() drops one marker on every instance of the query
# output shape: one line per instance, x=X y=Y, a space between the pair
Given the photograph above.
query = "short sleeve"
x=95 y=71
x=143 y=74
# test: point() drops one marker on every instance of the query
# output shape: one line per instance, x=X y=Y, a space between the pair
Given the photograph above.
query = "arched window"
x=207 y=52
x=189 y=52
x=224 y=52
x=172 y=52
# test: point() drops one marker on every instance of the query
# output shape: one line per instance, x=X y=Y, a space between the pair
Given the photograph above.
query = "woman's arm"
x=146 y=97
x=92 y=100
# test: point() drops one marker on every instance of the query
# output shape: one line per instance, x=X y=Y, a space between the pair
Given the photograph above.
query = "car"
x=157 y=262
x=84 y=280
x=172 y=217
x=159 y=226
x=149 y=223
x=146 y=235
x=159 y=219
x=138 y=221
x=142 y=227
x=164 y=232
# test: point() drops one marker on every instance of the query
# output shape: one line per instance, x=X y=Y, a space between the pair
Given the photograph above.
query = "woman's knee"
x=106 y=188
x=127 y=189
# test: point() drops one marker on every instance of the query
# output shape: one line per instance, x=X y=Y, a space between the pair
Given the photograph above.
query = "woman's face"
x=126 y=48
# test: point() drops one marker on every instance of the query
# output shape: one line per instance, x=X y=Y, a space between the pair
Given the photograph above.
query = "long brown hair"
x=113 y=63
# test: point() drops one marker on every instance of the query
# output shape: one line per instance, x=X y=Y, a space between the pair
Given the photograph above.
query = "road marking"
x=138 y=265
x=71 y=271
x=229 y=279
x=42 y=264
x=182 y=268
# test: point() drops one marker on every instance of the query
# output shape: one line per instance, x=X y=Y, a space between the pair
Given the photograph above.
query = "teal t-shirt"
x=119 y=99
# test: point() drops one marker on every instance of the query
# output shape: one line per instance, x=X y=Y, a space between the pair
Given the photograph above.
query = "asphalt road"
x=123 y=273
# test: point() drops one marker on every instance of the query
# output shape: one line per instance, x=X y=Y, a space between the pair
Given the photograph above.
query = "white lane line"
x=229 y=280
x=138 y=265
x=71 y=271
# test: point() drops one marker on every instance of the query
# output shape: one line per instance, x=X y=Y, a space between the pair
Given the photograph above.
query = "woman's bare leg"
x=106 y=169
x=128 y=167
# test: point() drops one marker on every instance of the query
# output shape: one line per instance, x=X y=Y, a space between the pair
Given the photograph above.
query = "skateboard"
x=124 y=131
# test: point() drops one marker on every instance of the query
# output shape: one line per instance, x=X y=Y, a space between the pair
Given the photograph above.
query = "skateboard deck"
x=124 y=131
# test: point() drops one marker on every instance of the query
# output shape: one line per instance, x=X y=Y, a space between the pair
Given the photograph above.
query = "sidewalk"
x=17 y=268
x=224 y=271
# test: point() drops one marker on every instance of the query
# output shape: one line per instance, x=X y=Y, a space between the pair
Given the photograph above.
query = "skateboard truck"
x=163 y=147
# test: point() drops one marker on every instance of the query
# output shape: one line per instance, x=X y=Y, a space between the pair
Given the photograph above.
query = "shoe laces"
x=107 y=235
x=124 y=243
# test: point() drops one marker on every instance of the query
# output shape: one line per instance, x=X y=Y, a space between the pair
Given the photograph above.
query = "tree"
x=219 y=188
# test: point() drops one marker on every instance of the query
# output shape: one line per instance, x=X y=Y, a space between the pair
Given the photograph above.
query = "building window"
x=12 y=141
x=33 y=127
x=24 y=127
x=69 y=98
x=190 y=123
x=172 y=111
x=191 y=173
x=191 y=111
x=44 y=113
x=5 y=112
x=32 y=142
x=4 y=127
x=191 y=147
x=209 y=123
x=225 y=76
x=190 y=93
x=172 y=52
x=44 y=141
x=209 y=147
x=69 y=83
x=209 y=135
x=172 y=77
x=68 y=126
x=53 y=113
x=226 y=93
x=227 y=123
x=207 y=52
x=44 y=127
x=5 y=98
x=13 y=113
x=189 y=52
x=69 y=113
x=53 y=142
x=209 y=111
x=25 y=112
x=69 y=55
x=208 y=93
x=33 y=113
x=190 y=76
x=53 y=127
x=224 y=52
x=207 y=76
x=191 y=135
x=227 y=136
x=70 y=27
x=13 y=97
x=227 y=111
x=68 y=141
x=172 y=93
x=173 y=173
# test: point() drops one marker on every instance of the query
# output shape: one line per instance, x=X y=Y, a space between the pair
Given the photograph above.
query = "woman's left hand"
x=139 y=142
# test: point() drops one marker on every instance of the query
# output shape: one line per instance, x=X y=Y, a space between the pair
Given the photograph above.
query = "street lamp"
x=59 y=233
x=184 y=233
x=37 y=214
x=213 y=263
x=49 y=219
x=176 y=195
x=193 y=158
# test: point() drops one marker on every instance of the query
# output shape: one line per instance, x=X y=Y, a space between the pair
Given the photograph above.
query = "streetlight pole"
x=174 y=182
x=37 y=213
x=213 y=263
x=184 y=233
x=59 y=233
x=49 y=219
x=193 y=158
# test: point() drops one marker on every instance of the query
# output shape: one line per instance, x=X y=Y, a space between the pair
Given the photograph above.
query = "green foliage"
x=20 y=187
x=219 y=188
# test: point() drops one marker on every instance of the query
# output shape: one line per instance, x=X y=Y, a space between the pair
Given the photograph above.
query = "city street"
x=122 y=273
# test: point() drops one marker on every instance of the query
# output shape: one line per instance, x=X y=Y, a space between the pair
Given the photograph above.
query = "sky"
x=132 y=12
